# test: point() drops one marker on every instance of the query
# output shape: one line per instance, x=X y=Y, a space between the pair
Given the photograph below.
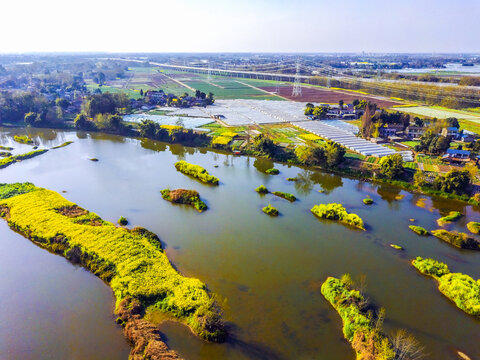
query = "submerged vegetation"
x=338 y=213
x=419 y=230
x=262 y=189
x=16 y=158
x=187 y=197
x=286 y=196
x=458 y=239
x=197 y=172
x=463 y=290
x=270 y=210
x=132 y=262
x=23 y=139
x=452 y=216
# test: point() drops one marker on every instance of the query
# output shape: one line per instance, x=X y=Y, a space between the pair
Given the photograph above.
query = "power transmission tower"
x=297 y=89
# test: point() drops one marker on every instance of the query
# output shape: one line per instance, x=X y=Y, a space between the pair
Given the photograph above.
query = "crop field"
x=438 y=112
x=318 y=95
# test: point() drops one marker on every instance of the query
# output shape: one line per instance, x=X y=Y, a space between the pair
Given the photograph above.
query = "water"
x=269 y=269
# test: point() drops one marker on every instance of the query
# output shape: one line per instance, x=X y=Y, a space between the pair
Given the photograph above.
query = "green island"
x=23 y=139
x=396 y=247
x=368 y=201
x=270 y=210
x=272 y=171
x=262 y=189
x=5 y=154
x=458 y=239
x=7 y=148
x=131 y=262
x=122 y=221
x=187 y=197
x=197 y=172
x=462 y=289
x=16 y=158
x=451 y=217
x=419 y=230
x=359 y=326
x=474 y=227
x=286 y=196
x=66 y=143
x=338 y=213
x=291 y=179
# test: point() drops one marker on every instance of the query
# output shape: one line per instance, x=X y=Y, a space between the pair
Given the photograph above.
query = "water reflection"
x=307 y=179
x=263 y=165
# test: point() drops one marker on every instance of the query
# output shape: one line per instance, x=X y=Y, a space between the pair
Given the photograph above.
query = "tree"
x=62 y=103
x=340 y=103
x=452 y=122
x=319 y=112
x=141 y=92
x=419 y=178
x=391 y=166
x=366 y=126
x=81 y=122
x=197 y=93
x=101 y=78
x=264 y=145
x=309 y=155
x=30 y=118
x=334 y=153
x=407 y=347
x=455 y=181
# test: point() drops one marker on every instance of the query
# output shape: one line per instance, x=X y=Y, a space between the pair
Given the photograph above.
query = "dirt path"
x=180 y=83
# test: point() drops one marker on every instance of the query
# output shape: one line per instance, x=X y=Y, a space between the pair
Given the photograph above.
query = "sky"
x=425 y=26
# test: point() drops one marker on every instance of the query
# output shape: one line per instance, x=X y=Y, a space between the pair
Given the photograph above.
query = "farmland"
x=438 y=112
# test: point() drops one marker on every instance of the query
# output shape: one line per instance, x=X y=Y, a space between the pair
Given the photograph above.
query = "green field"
x=438 y=112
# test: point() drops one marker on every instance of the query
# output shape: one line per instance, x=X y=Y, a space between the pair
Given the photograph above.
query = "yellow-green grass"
x=458 y=239
x=474 y=227
x=221 y=140
x=62 y=145
x=284 y=195
x=270 y=210
x=462 y=289
x=23 y=139
x=359 y=328
x=17 y=158
x=132 y=262
x=419 y=230
x=451 y=217
x=196 y=171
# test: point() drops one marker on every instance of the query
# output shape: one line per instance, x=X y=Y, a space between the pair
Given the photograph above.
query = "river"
x=269 y=270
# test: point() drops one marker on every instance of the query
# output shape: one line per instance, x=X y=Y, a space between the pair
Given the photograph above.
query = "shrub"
x=272 y=171
x=419 y=230
x=291 y=179
x=187 y=197
x=197 y=172
x=368 y=201
x=262 y=189
x=463 y=290
x=122 y=221
x=458 y=239
x=337 y=212
x=270 y=210
x=286 y=196
x=452 y=216
x=474 y=227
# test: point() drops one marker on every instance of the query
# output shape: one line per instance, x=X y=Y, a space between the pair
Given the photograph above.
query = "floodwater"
x=269 y=270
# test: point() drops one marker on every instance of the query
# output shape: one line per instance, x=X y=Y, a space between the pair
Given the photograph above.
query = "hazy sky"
x=240 y=25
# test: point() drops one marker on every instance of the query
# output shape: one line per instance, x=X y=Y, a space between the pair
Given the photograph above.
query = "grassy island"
x=474 y=227
x=458 y=239
x=272 y=171
x=16 y=158
x=451 y=217
x=359 y=325
x=62 y=145
x=262 y=189
x=23 y=139
x=187 y=197
x=196 y=171
x=396 y=247
x=338 y=213
x=463 y=290
x=270 y=210
x=368 y=201
x=7 y=148
x=419 y=230
x=122 y=221
x=131 y=262
x=286 y=196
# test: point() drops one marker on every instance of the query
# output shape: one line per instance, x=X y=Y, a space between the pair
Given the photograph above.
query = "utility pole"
x=297 y=89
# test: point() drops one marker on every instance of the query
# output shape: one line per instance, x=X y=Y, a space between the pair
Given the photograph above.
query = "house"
x=466 y=138
x=389 y=130
x=414 y=132
x=457 y=155
x=450 y=131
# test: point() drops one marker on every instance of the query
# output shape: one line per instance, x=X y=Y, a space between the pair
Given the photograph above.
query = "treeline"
x=448 y=96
